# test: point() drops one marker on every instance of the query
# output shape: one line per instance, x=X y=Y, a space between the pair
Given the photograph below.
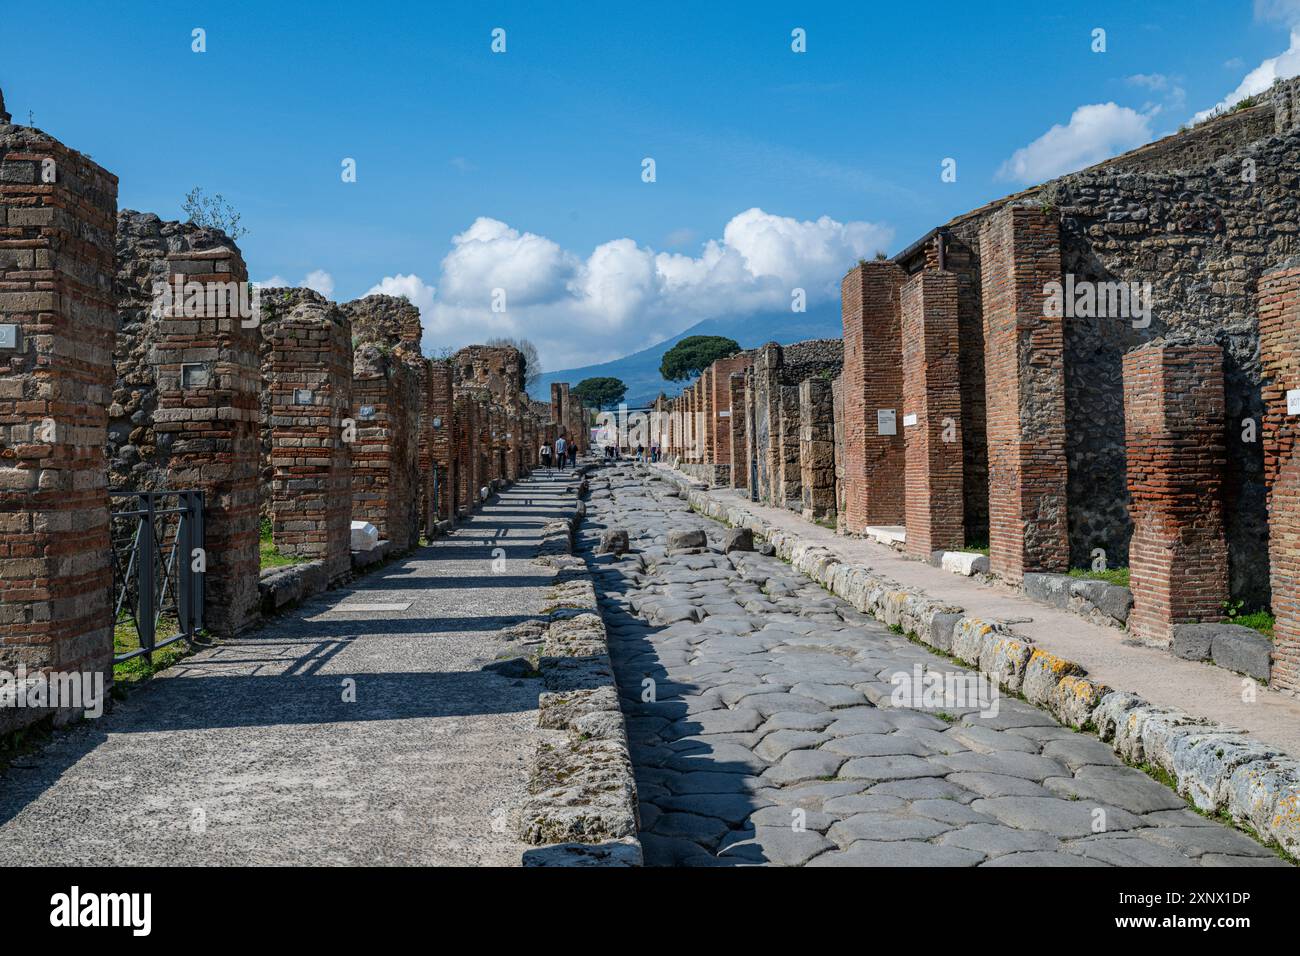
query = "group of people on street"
x=564 y=453
x=612 y=453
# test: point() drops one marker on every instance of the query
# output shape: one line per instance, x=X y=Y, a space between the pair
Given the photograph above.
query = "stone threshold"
x=1219 y=767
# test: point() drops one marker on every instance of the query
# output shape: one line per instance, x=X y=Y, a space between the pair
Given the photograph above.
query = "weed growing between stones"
x=1116 y=576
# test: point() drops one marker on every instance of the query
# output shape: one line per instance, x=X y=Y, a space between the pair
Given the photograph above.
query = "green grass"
x=271 y=556
x=138 y=669
x=1261 y=621
x=1117 y=576
x=977 y=546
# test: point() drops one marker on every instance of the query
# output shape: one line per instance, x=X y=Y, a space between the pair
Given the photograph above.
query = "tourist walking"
x=545 y=455
x=561 y=446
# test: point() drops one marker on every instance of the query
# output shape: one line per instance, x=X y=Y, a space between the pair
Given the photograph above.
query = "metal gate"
x=158 y=563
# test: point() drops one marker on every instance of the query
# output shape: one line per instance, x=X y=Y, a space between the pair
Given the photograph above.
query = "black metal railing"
x=158 y=566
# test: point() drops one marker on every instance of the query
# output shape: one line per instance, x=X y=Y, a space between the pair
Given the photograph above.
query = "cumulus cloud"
x=317 y=280
x=1281 y=67
x=624 y=296
x=1095 y=132
x=412 y=288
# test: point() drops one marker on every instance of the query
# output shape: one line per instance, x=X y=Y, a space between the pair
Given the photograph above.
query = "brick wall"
x=466 y=453
x=767 y=420
x=935 y=509
x=436 y=452
x=1025 y=388
x=56 y=286
x=873 y=380
x=817 y=447
x=385 y=453
x=209 y=380
x=1279 y=336
x=1174 y=430
x=724 y=401
x=309 y=378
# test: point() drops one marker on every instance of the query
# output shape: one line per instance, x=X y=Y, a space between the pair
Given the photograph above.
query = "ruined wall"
x=308 y=383
x=56 y=273
x=143 y=241
x=385 y=454
x=816 y=410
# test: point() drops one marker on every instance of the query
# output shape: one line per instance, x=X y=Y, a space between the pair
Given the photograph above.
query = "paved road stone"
x=774 y=738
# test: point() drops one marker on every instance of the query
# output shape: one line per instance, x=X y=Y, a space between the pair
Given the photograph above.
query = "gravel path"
x=249 y=754
x=763 y=730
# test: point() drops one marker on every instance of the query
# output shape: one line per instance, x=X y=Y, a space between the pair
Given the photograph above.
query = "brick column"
x=1025 y=387
x=440 y=442
x=816 y=447
x=935 y=510
x=736 y=431
x=310 y=385
x=209 y=377
x=837 y=405
x=59 y=317
x=385 y=454
x=1279 y=339
x=873 y=381
x=466 y=452
x=1174 y=437
x=708 y=417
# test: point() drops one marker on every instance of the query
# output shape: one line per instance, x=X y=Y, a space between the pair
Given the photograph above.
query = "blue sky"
x=522 y=171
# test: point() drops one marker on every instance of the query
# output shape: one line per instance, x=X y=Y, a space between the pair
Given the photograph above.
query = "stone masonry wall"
x=817 y=447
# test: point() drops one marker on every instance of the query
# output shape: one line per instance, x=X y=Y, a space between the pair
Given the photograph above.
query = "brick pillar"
x=1279 y=337
x=817 y=447
x=1174 y=438
x=1025 y=387
x=209 y=377
x=385 y=454
x=935 y=509
x=440 y=442
x=736 y=431
x=310 y=386
x=873 y=381
x=789 y=485
x=58 y=319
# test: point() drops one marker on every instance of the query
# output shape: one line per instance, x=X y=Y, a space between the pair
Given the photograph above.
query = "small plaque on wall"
x=909 y=421
x=8 y=336
x=886 y=421
x=1293 y=401
x=725 y=413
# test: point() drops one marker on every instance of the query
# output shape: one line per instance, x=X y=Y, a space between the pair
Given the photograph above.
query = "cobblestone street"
x=762 y=732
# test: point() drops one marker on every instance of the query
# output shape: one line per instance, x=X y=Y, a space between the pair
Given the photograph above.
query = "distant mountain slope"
x=640 y=370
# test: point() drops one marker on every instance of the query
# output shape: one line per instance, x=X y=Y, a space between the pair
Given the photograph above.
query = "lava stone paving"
x=762 y=732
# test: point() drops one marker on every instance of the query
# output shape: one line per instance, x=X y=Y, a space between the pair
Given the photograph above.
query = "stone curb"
x=1215 y=766
x=582 y=804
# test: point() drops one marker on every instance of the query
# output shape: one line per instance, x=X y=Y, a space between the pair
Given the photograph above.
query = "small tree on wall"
x=693 y=354
x=212 y=212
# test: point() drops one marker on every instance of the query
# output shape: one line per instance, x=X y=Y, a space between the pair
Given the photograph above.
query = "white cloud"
x=318 y=280
x=412 y=288
x=1095 y=132
x=1283 y=66
x=624 y=296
